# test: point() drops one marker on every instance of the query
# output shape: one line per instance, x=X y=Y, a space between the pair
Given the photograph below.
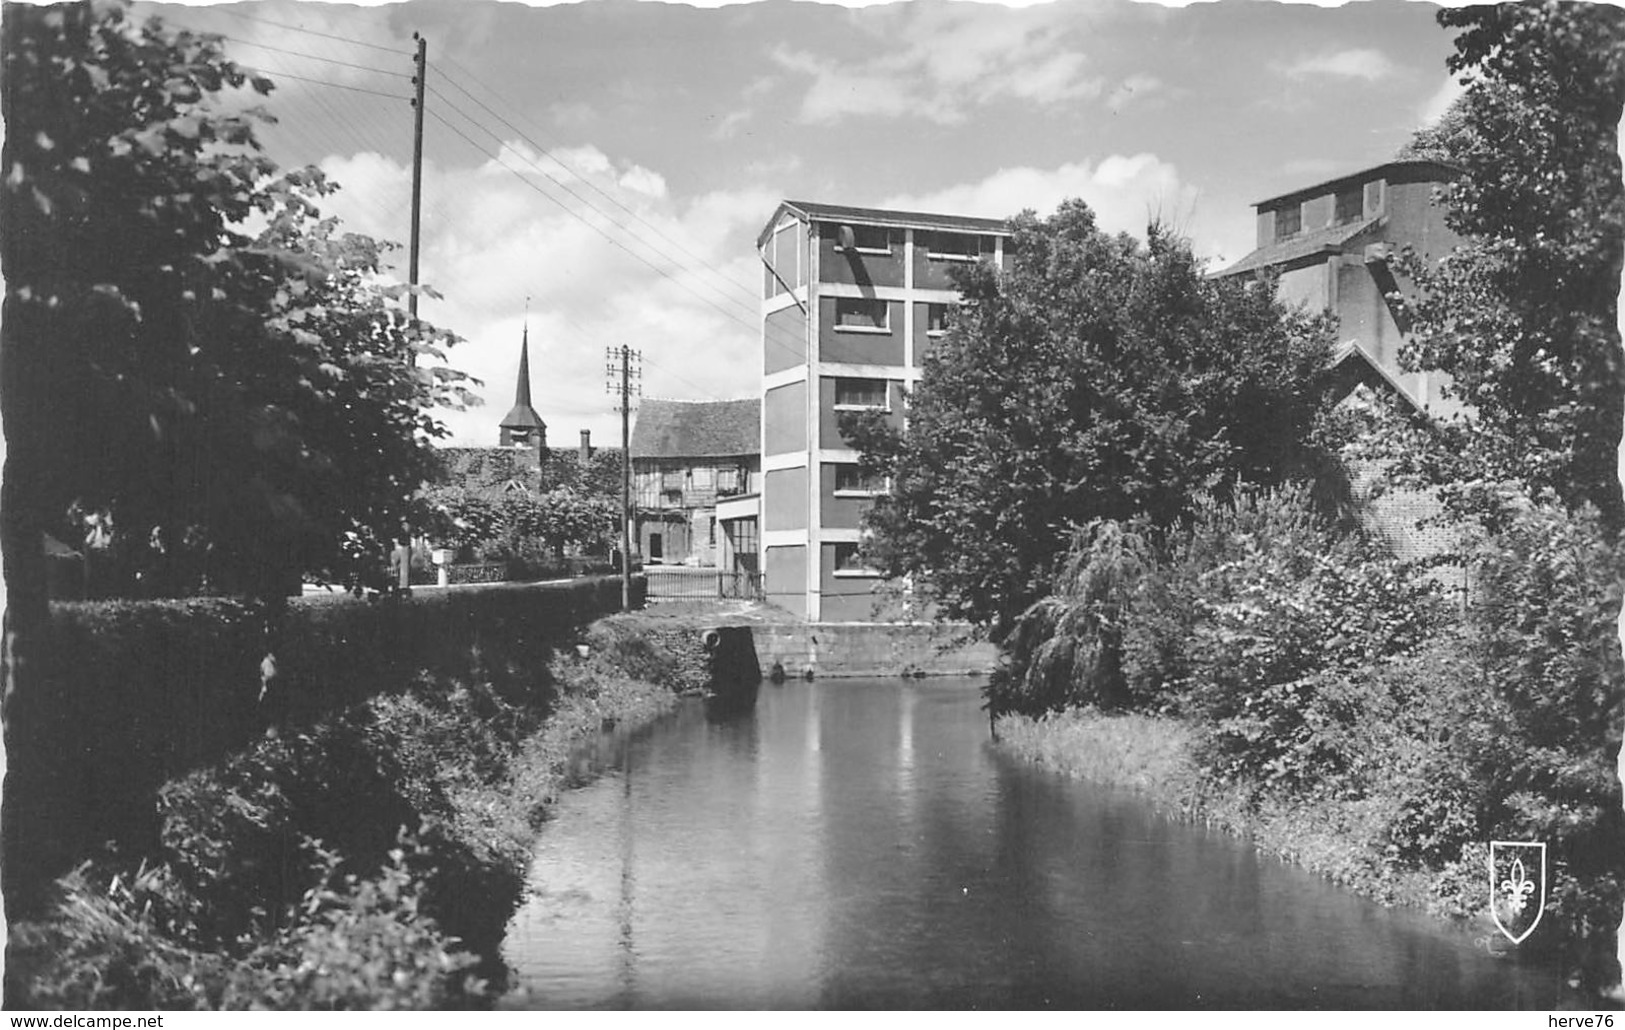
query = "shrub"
x=1543 y=627
x=1211 y=559
x=1067 y=650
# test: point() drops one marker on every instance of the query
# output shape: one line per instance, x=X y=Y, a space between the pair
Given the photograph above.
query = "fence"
x=684 y=583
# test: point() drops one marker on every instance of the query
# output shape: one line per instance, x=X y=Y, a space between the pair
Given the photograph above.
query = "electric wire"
x=749 y=291
x=313 y=32
x=795 y=347
x=325 y=82
x=612 y=240
x=334 y=114
x=317 y=57
x=749 y=308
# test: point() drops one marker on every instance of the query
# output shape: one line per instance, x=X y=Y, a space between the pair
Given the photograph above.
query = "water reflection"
x=862 y=845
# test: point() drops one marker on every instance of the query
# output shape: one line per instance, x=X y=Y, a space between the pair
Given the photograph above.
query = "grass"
x=1336 y=838
x=370 y=861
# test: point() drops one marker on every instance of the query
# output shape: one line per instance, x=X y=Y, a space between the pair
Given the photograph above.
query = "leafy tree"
x=505 y=524
x=1523 y=316
x=219 y=408
x=1098 y=379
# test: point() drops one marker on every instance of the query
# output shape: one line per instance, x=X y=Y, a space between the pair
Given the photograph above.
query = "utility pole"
x=623 y=363
x=418 y=78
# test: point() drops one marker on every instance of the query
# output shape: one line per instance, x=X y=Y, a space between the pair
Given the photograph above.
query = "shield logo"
x=1517 y=887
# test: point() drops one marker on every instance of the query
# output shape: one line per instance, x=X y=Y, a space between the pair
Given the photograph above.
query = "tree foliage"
x=1100 y=378
x=505 y=524
x=217 y=405
x=1523 y=316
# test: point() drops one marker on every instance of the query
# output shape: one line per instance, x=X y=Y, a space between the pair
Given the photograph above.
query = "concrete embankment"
x=844 y=649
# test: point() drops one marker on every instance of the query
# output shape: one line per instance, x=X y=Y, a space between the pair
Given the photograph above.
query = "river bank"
x=1339 y=839
x=367 y=860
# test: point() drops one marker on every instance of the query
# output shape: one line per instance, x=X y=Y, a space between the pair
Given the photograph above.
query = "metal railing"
x=686 y=583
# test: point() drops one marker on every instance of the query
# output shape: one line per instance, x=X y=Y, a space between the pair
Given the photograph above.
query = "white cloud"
x=490 y=241
x=941 y=61
x=1125 y=192
x=1370 y=65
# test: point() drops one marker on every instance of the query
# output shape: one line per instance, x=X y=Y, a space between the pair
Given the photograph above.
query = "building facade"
x=853 y=299
x=696 y=467
x=1333 y=245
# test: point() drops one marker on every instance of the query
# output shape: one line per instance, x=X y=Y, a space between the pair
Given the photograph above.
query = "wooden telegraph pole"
x=621 y=364
x=421 y=73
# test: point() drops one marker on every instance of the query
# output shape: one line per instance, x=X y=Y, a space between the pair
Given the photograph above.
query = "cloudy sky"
x=612 y=160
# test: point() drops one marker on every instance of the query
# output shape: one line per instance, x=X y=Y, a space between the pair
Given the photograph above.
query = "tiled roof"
x=1321 y=241
x=697 y=429
x=882 y=216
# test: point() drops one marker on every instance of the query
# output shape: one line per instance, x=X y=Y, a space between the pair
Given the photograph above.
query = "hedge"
x=131 y=694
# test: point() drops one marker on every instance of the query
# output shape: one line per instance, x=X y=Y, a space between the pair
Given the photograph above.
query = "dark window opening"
x=851 y=477
x=860 y=393
x=1288 y=221
x=959 y=246
x=861 y=313
x=1350 y=206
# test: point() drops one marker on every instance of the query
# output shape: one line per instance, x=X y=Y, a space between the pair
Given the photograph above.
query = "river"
x=863 y=844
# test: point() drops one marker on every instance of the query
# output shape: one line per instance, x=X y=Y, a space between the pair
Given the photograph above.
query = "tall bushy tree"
x=226 y=403
x=1100 y=378
x=1523 y=316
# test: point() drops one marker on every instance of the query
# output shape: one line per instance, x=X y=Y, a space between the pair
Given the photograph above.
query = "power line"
x=590 y=184
x=750 y=305
x=748 y=291
x=753 y=327
x=317 y=57
x=325 y=82
x=313 y=32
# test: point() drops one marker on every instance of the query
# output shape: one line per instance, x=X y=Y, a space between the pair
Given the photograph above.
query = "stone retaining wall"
x=835 y=649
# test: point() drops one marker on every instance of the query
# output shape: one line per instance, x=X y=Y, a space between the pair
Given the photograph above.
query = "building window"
x=860 y=314
x=848 y=562
x=957 y=246
x=850 y=479
x=860 y=393
x=939 y=318
x=1373 y=198
x=869 y=239
x=1349 y=207
x=1288 y=221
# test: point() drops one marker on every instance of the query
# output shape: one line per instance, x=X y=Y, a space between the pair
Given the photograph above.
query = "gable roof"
x=1352 y=365
x=697 y=429
x=1331 y=240
x=813 y=211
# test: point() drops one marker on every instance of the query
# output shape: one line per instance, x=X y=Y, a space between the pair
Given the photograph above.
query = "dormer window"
x=1288 y=221
x=1373 y=198
x=1349 y=206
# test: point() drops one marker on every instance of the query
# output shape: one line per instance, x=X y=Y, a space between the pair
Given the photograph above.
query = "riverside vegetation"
x=367 y=860
x=1263 y=669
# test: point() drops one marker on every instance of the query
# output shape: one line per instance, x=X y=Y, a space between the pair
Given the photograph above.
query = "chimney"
x=586 y=446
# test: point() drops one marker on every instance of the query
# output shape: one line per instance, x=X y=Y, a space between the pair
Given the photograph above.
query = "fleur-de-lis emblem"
x=1518 y=886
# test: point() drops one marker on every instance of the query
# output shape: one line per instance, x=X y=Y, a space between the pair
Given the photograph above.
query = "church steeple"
x=522 y=425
